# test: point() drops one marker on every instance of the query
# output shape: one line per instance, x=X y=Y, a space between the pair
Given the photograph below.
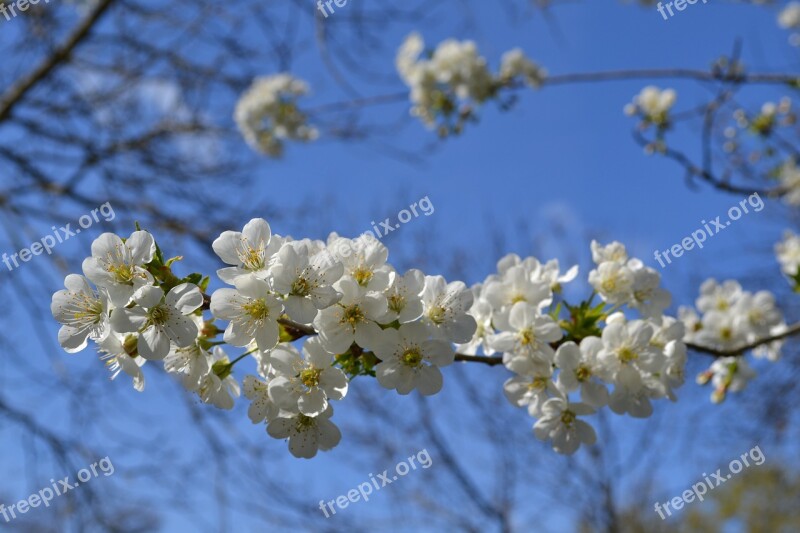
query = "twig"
x=18 y=91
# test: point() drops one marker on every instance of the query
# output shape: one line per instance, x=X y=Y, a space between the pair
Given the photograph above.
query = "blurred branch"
x=789 y=332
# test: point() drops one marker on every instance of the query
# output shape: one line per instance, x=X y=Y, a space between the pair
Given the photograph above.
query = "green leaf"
x=174 y=259
x=204 y=284
x=194 y=277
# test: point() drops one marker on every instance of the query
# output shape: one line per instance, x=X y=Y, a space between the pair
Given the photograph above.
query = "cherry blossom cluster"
x=788 y=254
x=310 y=323
x=267 y=114
x=311 y=315
x=448 y=87
x=789 y=18
x=564 y=356
x=756 y=138
x=652 y=105
x=725 y=318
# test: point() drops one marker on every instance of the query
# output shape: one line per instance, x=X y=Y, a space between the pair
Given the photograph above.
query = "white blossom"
x=613 y=282
x=445 y=307
x=306 y=435
x=305 y=383
x=191 y=362
x=404 y=297
x=646 y=294
x=160 y=320
x=82 y=312
x=614 y=252
x=261 y=406
x=249 y=251
x=788 y=253
x=525 y=336
x=364 y=261
x=560 y=423
x=118 y=267
x=252 y=312
x=789 y=178
x=218 y=387
x=580 y=369
x=532 y=389
x=117 y=359
x=482 y=312
x=411 y=360
x=353 y=319
x=306 y=285
x=517 y=285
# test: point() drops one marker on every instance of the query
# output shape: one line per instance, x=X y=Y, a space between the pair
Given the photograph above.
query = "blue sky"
x=563 y=153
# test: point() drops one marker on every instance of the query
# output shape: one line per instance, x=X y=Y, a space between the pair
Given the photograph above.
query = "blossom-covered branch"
x=313 y=315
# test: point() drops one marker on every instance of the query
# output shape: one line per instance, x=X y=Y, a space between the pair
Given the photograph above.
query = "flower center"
x=538 y=383
x=756 y=316
x=518 y=298
x=252 y=258
x=725 y=334
x=567 y=417
x=583 y=373
x=626 y=355
x=122 y=273
x=257 y=309
x=362 y=275
x=130 y=345
x=396 y=302
x=437 y=314
x=412 y=357
x=301 y=287
x=310 y=377
x=526 y=337
x=641 y=295
x=609 y=285
x=304 y=423
x=352 y=315
x=159 y=315
x=89 y=310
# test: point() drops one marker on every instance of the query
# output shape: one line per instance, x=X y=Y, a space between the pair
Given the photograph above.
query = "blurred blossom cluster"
x=448 y=86
x=789 y=19
x=652 y=105
x=726 y=317
x=267 y=114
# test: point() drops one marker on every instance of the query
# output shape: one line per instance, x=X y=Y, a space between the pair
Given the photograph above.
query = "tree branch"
x=788 y=332
x=589 y=77
x=17 y=92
